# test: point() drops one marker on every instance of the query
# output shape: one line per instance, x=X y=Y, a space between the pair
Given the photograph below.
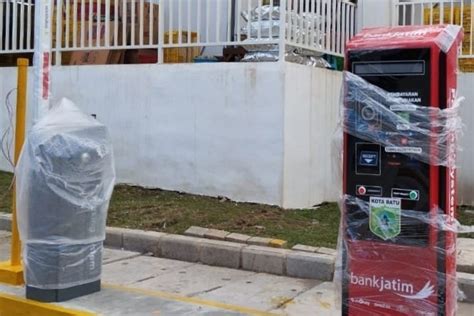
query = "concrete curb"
x=466 y=286
x=221 y=253
x=217 y=234
x=5 y=221
x=302 y=262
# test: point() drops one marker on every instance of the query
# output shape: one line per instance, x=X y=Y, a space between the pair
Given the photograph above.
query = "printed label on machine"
x=406 y=194
x=369 y=190
x=404 y=150
x=385 y=217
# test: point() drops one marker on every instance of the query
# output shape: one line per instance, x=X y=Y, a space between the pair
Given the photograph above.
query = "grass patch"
x=174 y=212
x=5 y=192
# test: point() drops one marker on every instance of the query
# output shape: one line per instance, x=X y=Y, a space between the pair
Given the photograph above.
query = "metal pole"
x=22 y=64
x=42 y=57
x=11 y=272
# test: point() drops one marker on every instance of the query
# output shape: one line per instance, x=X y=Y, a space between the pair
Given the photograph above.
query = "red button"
x=361 y=190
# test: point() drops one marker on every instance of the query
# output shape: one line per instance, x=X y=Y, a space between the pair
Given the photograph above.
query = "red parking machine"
x=398 y=257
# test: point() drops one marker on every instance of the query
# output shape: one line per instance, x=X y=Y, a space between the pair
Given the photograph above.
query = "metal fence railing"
x=428 y=12
x=92 y=25
x=322 y=25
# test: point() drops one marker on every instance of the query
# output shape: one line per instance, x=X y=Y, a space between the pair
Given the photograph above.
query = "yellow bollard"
x=11 y=272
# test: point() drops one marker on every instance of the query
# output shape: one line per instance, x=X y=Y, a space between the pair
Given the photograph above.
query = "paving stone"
x=465 y=243
x=264 y=259
x=259 y=241
x=114 y=237
x=216 y=234
x=320 y=300
x=142 y=241
x=113 y=255
x=310 y=265
x=304 y=248
x=221 y=253
x=262 y=291
x=240 y=238
x=193 y=280
x=139 y=268
x=278 y=243
x=466 y=285
x=465 y=261
x=182 y=248
x=196 y=231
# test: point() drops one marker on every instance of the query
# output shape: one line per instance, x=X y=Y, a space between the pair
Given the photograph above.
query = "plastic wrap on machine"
x=425 y=133
x=444 y=36
x=65 y=178
x=366 y=222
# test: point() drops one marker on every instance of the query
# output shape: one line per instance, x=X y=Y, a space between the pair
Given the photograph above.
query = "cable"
x=6 y=140
x=7 y=137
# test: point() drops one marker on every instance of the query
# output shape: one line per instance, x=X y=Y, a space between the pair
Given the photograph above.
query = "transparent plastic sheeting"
x=65 y=178
x=444 y=36
x=265 y=21
x=360 y=211
x=382 y=274
x=425 y=133
x=308 y=60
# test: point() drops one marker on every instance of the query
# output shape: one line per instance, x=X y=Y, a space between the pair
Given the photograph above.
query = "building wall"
x=466 y=155
x=213 y=129
x=311 y=172
x=374 y=13
x=250 y=132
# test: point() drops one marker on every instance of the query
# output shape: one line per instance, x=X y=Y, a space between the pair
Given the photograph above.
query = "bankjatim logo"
x=400 y=288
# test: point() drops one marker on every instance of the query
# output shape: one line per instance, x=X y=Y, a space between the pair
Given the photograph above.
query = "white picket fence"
x=428 y=12
x=318 y=25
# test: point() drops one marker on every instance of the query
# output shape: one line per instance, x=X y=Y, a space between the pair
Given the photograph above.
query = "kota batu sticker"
x=385 y=216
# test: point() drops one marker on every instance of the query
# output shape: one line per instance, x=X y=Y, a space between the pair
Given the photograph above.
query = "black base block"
x=61 y=295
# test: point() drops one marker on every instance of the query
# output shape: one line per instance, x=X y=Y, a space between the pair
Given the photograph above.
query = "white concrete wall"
x=312 y=110
x=213 y=129
x=374 y=13
x=251 y=132
x=466 y=156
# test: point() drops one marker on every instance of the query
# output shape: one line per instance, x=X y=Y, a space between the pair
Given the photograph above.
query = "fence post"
x=283 y=25
x=11 y=272
x=58 y=19
x=161 y=31
x=394 y=9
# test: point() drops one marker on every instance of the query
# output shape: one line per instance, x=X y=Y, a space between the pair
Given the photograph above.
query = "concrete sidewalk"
x=137 y=284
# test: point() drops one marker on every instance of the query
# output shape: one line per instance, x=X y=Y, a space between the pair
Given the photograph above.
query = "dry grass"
x=174 y=212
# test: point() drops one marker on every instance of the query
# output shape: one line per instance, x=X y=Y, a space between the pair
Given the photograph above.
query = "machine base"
x=61 y=295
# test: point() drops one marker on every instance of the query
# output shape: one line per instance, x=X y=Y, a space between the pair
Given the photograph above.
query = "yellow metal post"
x=11 y=272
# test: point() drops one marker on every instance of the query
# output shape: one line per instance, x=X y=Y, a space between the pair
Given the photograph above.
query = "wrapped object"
x=267 y=29
x=262 y=13
x=401 y=126
x=264 y=47
x=261 y=56
x=263 y=24
x=390 y=119
x=443 y=36
x=308 y=60
x=400 y=281
x=65 y=178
